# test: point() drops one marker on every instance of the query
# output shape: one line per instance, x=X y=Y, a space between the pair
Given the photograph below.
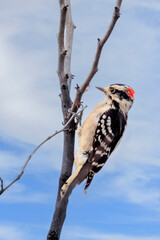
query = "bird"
x=100 y=134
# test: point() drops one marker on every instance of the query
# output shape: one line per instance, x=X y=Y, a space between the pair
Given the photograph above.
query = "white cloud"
x=8 y=232
x=29 y=111
x=155 y=6
x=30 y=107
x=18 y=193
x=18 y=231
x=27 y=231
x=78 y=233
x=135 y=186
x=9 y=160
x=41 y=162
x=131 y=182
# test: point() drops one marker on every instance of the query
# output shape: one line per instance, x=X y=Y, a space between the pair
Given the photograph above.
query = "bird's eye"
x=112 y=90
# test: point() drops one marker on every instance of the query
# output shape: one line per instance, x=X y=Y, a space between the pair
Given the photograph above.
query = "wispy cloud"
x=155 y=6
x=11 y=161
x=11 y=232
x=78 y=233
x=133 y=182
x=20 y=194
x=23 y=99
x=17 y=231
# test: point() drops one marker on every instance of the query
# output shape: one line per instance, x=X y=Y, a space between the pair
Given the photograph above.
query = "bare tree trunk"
x=61 y=206
x=65 y=77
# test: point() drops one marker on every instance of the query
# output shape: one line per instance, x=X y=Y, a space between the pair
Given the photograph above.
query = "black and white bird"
x=100 y=134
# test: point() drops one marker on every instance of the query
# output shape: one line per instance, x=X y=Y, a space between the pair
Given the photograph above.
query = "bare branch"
x=66 y=30
x=61 y=49
x=30 y=156
x=68 y=44
x=94 y=67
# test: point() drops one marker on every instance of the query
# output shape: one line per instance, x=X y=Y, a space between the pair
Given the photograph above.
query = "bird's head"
x=120 y=93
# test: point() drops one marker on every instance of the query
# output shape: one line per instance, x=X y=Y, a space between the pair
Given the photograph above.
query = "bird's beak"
x=105 y=90
x=101 y=89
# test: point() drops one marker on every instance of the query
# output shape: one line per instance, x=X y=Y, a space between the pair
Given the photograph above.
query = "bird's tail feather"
x=69 y=181
x=76 y=178
x=89 y=180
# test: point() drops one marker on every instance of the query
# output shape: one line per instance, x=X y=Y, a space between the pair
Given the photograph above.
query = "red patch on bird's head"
x=130 y=92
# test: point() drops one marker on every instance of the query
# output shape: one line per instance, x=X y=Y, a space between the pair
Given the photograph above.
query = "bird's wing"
x=108 y=133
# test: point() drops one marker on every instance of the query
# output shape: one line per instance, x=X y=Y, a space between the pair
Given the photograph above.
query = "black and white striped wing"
x=109 y=131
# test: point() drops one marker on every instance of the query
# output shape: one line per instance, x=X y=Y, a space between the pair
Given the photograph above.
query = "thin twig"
x=94 y=67
x=30 y=156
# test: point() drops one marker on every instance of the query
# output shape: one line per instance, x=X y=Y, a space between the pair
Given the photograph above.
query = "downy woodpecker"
x=100 y=134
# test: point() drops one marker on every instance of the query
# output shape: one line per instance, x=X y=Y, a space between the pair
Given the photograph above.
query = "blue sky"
x=123 y=202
